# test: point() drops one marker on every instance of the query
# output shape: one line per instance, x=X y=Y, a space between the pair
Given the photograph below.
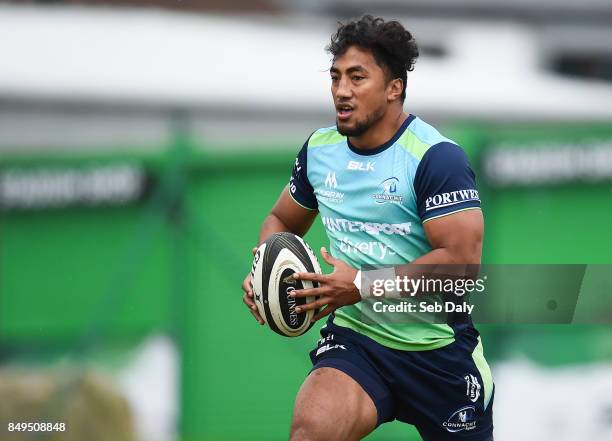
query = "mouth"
x=344 y=111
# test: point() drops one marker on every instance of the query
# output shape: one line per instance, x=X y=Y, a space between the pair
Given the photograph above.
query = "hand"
x=247 y=298
x=335 y=290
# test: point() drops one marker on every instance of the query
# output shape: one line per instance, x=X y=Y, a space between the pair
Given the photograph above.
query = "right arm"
x=293 y=212
x=286 y=215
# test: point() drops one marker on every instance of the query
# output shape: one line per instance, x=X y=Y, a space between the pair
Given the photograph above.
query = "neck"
x=381 y=131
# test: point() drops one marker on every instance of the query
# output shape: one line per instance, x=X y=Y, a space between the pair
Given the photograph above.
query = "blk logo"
x=360 y=166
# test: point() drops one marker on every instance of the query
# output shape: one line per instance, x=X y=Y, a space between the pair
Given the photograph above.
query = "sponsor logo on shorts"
x=473 y=387
x=324 y=339
x=388 y=192
x=329 y=347
x=462 y=419
x=451 y=198
x=348 y=226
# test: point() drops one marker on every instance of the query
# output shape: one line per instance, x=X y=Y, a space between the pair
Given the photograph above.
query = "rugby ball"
x=281 y=255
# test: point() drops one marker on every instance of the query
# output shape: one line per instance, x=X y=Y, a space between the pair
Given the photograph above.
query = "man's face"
x=359 y=91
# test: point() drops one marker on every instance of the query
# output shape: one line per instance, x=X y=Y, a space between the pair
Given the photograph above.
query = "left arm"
x=455 y=239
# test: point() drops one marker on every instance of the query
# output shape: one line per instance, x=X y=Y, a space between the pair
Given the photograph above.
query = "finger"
x=257 y=317
x=247 y=300
x=247 y=287
x=309 y=292
x=327 y=257
x=322 y=313
x=313 y=305
x=310 y=276
x=252 y=309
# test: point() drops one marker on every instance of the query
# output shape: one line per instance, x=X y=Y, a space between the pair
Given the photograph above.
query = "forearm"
x=449 y=256
x=272 y=224
x=442 y=261
x=287 y=216
x=440 y=264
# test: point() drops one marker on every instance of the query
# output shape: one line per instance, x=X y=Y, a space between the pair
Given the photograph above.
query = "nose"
x=343 y=89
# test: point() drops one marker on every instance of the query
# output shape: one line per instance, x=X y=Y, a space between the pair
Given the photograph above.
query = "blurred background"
x=142 y=143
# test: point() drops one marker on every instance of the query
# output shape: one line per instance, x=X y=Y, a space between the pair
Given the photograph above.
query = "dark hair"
x=392 y=46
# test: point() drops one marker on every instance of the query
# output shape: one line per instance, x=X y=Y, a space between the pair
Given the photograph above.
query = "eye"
x=357 y=78
x=334 y=78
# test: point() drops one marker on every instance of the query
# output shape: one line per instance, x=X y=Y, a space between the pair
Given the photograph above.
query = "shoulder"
x=325 y=136
x=443 y=161
x=421 y=137
x=444 y=181
x=444 y=154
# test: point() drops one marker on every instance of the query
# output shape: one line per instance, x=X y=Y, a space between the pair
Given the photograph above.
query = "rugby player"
x=391 y=190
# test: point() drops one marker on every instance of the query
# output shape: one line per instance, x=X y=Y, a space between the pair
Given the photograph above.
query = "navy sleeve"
x=299 y=186
x=444 y=182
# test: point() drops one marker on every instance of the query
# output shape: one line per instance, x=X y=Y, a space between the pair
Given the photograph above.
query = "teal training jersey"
x=373 y=204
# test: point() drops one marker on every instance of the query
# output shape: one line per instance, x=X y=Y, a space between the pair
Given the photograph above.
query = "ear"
x=394 y=89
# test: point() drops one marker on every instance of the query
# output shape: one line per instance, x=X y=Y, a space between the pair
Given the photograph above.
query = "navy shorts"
x=446 y=393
